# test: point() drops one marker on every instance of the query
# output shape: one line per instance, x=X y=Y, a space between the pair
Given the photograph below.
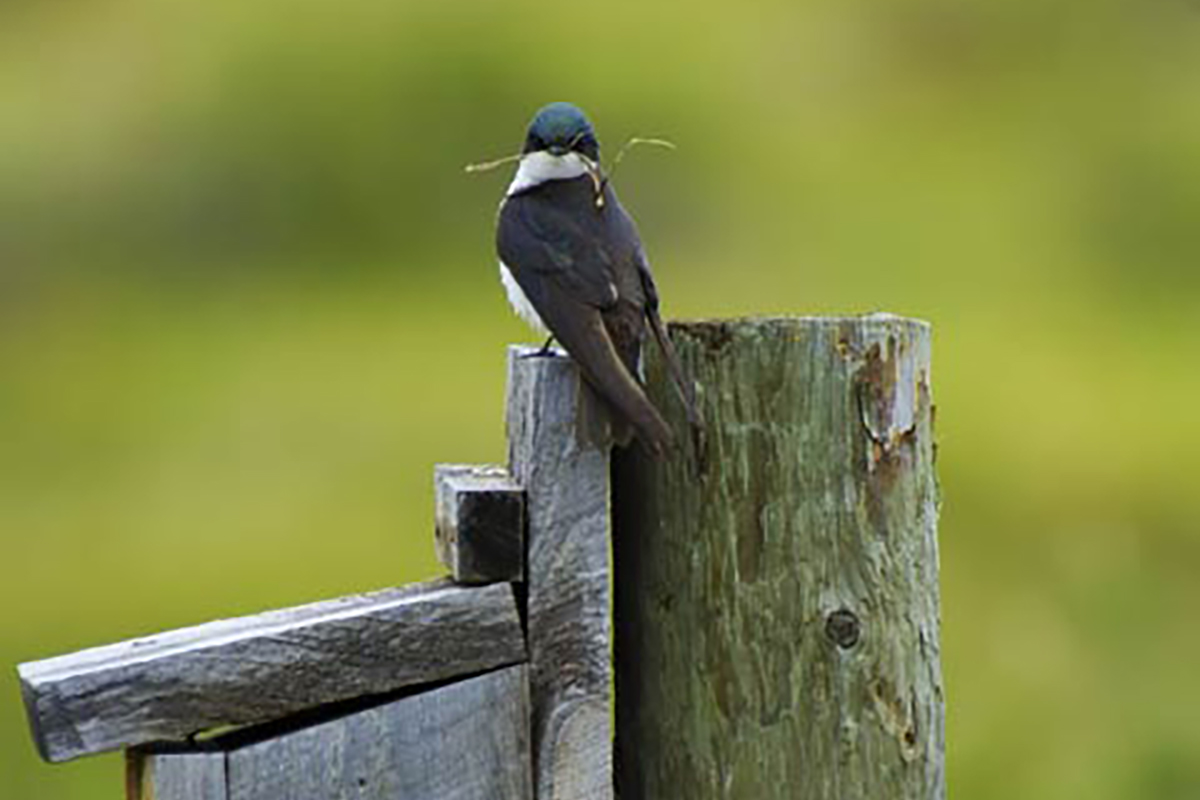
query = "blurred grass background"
x=248 y=298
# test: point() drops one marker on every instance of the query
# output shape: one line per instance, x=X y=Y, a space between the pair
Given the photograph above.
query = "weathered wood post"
x=566 y=483
x=776 y=594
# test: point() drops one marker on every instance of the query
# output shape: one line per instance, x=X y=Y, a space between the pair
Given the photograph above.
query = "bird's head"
x=559 y=129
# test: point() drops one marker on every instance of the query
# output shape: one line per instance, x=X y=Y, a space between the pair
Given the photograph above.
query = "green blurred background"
x=248 y=298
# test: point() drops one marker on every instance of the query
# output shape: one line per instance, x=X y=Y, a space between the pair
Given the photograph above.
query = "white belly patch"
x=520 y=303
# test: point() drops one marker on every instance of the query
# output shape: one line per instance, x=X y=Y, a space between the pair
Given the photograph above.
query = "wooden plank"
x=566 y=502
x=259 y=668
x=480 y=523
x=777 y=610
x=468 y=740
x=175 y=776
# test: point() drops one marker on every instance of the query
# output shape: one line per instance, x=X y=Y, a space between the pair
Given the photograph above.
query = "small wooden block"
x=265 y=667
x=480 y=523
x=468 y=740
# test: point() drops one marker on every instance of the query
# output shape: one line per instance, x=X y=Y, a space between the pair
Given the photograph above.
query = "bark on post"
x=776 y=594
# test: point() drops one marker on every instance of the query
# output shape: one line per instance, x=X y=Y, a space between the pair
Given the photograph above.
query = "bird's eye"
x=586 y=145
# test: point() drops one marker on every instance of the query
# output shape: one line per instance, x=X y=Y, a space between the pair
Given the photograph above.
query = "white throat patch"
x=540 y=166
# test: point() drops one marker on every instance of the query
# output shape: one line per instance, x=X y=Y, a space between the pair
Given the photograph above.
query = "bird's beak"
x=557 y=150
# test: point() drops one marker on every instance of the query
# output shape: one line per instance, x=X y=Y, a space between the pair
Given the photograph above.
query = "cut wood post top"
x=261 y=668
x=480 y=523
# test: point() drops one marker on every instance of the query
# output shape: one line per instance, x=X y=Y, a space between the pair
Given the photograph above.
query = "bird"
x=574 y=268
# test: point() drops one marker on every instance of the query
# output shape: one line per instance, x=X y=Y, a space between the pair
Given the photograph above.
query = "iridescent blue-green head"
x=561 y=128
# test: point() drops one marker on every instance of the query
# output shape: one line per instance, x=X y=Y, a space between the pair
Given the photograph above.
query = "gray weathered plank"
x=259 y=668
x=480 y=523
x=468 y=740
x=175 y=776
x=777 y=608
x=566 y=502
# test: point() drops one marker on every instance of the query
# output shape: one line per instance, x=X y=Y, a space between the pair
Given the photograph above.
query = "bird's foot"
x=546 y=351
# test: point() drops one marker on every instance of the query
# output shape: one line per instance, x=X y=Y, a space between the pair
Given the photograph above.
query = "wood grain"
x=260 y=668
x=466 y=740
x=176 y=776
x=566 y=485
x=777 y=598
x=480 y=523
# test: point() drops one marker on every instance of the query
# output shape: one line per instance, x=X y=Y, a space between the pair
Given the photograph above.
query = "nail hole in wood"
x=843 y=628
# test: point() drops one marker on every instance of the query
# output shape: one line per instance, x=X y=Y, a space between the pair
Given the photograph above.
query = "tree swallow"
x=574 y=267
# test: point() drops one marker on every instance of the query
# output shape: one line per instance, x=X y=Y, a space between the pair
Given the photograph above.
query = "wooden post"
x=777 y=594
x=566 y=505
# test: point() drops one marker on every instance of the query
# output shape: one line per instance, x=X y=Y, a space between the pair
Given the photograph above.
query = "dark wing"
x=548 y=235
x=685 y=387
x=553 y=240
x=647 y=293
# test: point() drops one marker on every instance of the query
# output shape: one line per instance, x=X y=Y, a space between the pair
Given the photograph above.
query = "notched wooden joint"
x=843 y=628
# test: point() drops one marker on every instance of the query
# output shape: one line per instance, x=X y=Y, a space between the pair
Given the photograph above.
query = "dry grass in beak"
x=598 y=180
x=594 y=171
x=486 y=166
x=635 y=140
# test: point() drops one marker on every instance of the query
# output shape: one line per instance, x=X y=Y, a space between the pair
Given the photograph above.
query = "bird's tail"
x=684 y=386
x=599 y=423
x=627 y=402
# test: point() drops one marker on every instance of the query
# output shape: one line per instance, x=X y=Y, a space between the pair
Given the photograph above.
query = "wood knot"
x=843 y=628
